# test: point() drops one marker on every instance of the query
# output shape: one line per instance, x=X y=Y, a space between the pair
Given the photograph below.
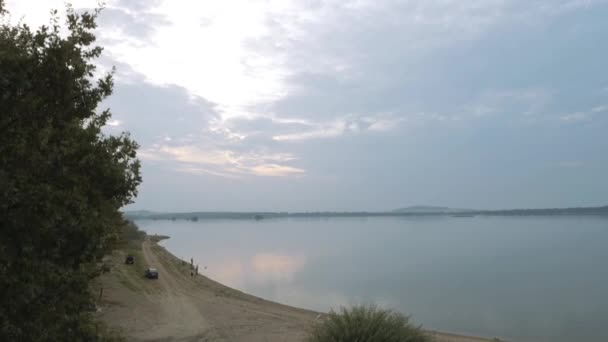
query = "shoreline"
x=601 y=211
x=180 y=306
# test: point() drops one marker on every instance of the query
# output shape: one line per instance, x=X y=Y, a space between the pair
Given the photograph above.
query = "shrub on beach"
x=366 y=324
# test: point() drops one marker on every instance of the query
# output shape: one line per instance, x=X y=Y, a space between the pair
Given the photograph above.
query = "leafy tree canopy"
x=62 y=180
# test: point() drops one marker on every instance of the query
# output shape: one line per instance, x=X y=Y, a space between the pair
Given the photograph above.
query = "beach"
x=180 y=306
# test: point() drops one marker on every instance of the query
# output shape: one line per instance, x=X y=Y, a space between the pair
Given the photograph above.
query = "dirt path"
x=181 y=318
x=181 y=307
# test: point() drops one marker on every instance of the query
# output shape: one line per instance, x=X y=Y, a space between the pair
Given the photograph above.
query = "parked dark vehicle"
x=151 y=273
x=130 y=260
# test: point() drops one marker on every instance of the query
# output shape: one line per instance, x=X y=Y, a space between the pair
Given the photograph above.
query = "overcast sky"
x=358 y=105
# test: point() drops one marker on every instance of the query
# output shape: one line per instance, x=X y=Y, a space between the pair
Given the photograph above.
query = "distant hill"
x=427 y=209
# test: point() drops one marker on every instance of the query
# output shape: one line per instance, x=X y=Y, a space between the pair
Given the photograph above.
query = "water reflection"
x=260 y=269
x=269 y=267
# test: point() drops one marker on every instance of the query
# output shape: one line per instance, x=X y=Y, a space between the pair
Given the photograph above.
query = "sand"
x=181 y=307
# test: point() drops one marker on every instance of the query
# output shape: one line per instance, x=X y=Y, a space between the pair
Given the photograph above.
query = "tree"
x=62 y=180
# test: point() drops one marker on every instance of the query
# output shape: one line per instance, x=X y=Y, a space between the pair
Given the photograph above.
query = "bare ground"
x=181 y=307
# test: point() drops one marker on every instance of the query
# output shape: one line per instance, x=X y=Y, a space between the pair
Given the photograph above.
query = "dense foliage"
x=366 y=324
x=62 y=181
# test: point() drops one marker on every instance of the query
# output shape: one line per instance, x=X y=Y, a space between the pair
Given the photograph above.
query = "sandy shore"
x=180 y=307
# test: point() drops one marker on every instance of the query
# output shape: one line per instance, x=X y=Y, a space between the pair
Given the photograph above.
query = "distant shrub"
x=366 y=324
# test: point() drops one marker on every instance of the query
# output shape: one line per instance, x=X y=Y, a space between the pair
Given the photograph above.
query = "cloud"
x=113 y=123
x=284 y=129
x=334 y=130
x=197 y=170
x=139 y=25
x=297 y=59
x=583 y=115
x=221 y=162
x=310 y=92
x=182 y=132
x=436 y=59
x=340 y=92
x=350 y=124
x=575 y=117
x=190 y=154
x=274 y=170
x=382 y=125
x=138 y=5
x=317 y=61
x=172 y=47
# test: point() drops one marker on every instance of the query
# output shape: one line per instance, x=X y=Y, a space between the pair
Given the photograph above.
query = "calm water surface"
x=521 y=278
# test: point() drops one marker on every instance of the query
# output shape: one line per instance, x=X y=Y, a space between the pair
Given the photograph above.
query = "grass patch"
x=366 y=324
x=131 y=276
x=129 y=243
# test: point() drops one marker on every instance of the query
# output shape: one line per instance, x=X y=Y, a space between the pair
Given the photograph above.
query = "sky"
x=357 y=105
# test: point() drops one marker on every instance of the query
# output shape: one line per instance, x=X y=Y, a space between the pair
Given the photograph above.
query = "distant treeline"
x=195 y=216
x=547 y=212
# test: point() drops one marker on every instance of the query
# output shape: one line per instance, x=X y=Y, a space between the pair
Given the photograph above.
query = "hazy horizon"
x=411 y=207
x=357 y=105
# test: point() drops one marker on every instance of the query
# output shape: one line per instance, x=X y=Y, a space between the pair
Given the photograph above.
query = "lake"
x=527 y=279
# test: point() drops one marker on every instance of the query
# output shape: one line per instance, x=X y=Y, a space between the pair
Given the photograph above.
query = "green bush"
x=366 y=324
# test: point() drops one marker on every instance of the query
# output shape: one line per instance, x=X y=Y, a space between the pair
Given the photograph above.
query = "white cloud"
x=242 y=53
x=350 y=124
x=218 y=61
x=209 y=60
x=196 y=155
x=221 y=162
x=383 y=125
x=274 y=170
x=583 y=115
x=574 y=117
x=203 y=171
x=246 y=56
x=330 y=131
